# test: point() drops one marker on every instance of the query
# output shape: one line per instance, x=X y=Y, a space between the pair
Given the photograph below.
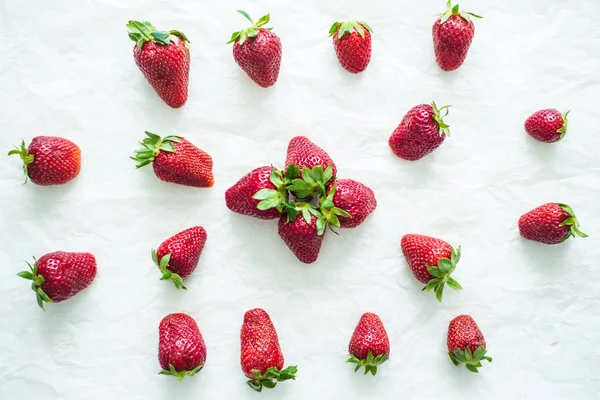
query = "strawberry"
x=164 y=59
x=550 y=223
x=257 y=50
x=352 y=44
x=452 y=36
x=355 y=200
x=466 y=344
x=421 y=131
x=178 y=256
x=176 y=160
x=301 y=231
x=305 y=154
x=547 y=125
x=261 y=357
x=431 y=261
x=60 y=275
x=181 y=348
x=369 y=345
x=49 y=160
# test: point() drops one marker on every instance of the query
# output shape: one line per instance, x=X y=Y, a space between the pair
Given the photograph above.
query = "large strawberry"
x=178 y=256
x=260 y=356
x=466 y=344
x=452 y=36
x=305 y=154
x=550 y=223
x=369 y=345
x=164 y=59
x=548 y=126
x=352 y=43
x=421 y=131
x=432 y=261
x=181 y=348
x=348 y=203
x=60 y=275
x=257 y=50
x=301 y=231
x=176 y=160
x=49 y=160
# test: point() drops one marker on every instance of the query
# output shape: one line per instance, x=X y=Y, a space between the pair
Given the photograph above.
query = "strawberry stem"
x=563 y=129
x=471 y=360
x=252 y=31
x=370 y=363
x=271 y=376
x=25 y=157
x=453 y=11
x=441 y=274
x=439 y=118
x=36 y=286
x=143 y=31
x=180 y=374
x=152 y=145
x=163 y=267
x=571 y=222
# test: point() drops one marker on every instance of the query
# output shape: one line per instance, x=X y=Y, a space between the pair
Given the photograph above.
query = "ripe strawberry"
x=257 y=51
x=176 y=160
x=369 y=345
x=356 y=201
x=547 y=125
x=303 y=232
x=550 y=223
x=261 y=357
x=178 y=256
x=164 y=59
x=60 y=275
x=466 y=344
x=452 y=36
x=305 y=154
x=421 y=131
x=352 y=43
x=181 y=348
x=431 y=261
x=49 y=160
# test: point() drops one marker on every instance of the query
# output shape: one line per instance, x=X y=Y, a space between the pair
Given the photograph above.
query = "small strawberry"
x=421 y=131
x=305 y=154
x=257 y=51
x=355 y=200
x=299 y=229
x=60 y=275
x=452 y=36
x=49 y=160
x=178 y=256
x=547 y=125
x=181 y=348
x=466 y=344
x=431 y=261
x=352 y=43
x=176 y=160
x=550 y=223
x=164 y=59
x=261 y=357
x=369 y=345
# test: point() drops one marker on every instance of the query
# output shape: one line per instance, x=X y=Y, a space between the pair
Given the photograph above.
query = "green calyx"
x=25 y=157
x=439 y=118
x=571 y=222
x=450 y=11
x=276 y=198
x=313 y=182
x=180 y=374
x=563 y=128
x=163 y=266
x=144 y=31
x=36 y=285
x=441 y=275
x=252 y=31
x=370 y=363
x=304 y=210
x=152 y=145
x=330 y=212
x=271 y=377
x=471 y=360
x=347 y=27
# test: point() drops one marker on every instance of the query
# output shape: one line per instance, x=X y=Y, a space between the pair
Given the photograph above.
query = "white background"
x=67 y=70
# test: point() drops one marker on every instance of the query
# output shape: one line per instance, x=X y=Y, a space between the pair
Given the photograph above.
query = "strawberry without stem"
x=550 y=223
x=356 y=200
x=548 y=125
x=352 y=43
x=369 y=345
x=181 y=348
x=466 y=344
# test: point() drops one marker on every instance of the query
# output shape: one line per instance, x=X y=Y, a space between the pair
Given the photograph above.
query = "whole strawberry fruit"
x=452 y=36
x=261 y=357
x=259 y=194
x=176 y=160
x=181 y=348
x=547 y=126
x=431 y=261
x=60 y=275
x=356 y=200
x=466 y=344
x=178 y=256
x=369 y=345
x=352 y=43
x=164 y=59
x=303 y=233
x=305 y=154
x=257 y=50
x=49 y=160
x=421 y=131
x=550 y=223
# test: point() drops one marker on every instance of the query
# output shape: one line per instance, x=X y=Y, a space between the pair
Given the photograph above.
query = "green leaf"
x=453 y=283
x=321 y=224
x=363 y=23
x=292 y=172
x=479 y=353
x=328 y=204
x=434 y=271
x=444 y=265
x=432 y=284
x=306 y=216
x=439 y=291
x=453 y=359
x=268 y=383
x=243 y=37
x=245 y=14
x=472 y=368
x=255 y=385
x=269 y=203
x=468 y=354
x=264 y=194
x=327 y=174
x=26 y=275
x=264 y=20
x=164 y=262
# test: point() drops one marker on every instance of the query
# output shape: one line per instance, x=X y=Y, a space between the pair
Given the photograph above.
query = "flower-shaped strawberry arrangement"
x=306 y=197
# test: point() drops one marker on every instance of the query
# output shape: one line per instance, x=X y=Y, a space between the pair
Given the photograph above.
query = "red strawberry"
x=49 y=160
x=452 y=36
x=176 y=160
x=257 y=50
x=258 y=194
x=178 y=256
x=466 y=344
x=261 y=357
x=305 y=154
x=432 y=261
x=303 y=233
x=164 y=59
x=181 y=348
x=352 y=43
x=354 y=198
x=551 y=223
x=369 y=345
x=421 y=131
x=60 y=275
x=547 y=125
